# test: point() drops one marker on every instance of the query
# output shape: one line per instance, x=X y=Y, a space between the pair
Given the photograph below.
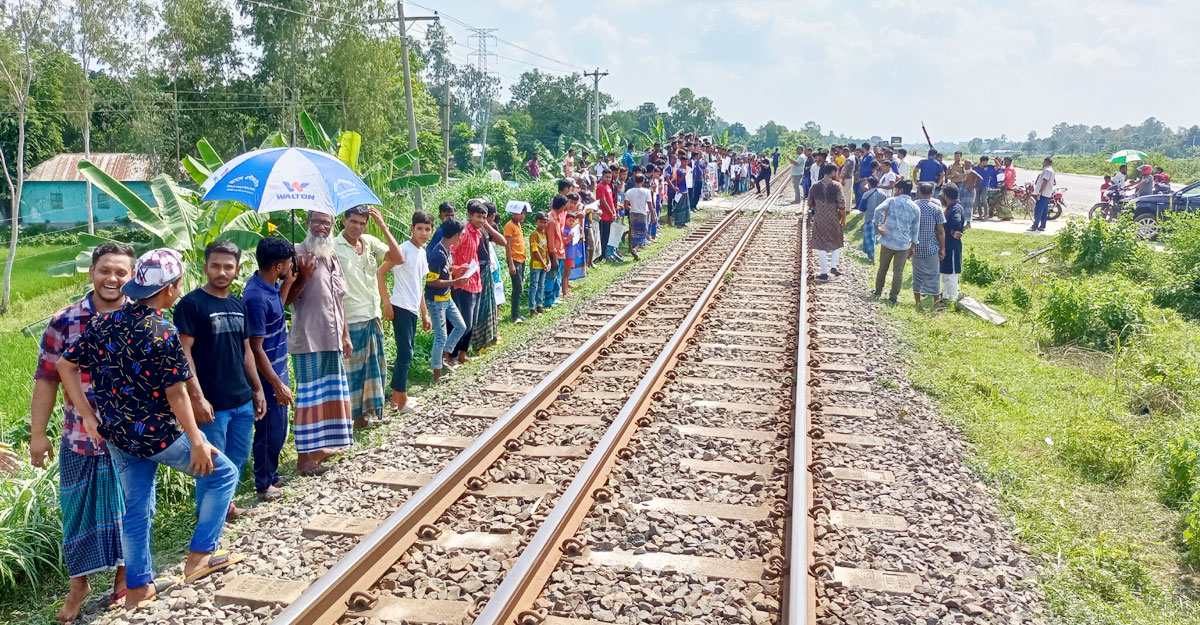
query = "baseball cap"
x=155 y=270
x=516 y=206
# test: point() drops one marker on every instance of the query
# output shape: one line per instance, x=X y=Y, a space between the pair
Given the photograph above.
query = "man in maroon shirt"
x=608 y=214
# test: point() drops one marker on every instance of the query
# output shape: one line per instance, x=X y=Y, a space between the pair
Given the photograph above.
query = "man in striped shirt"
x=265 y=296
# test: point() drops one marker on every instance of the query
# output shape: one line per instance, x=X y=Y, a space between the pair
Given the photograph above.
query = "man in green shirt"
x=360 y=255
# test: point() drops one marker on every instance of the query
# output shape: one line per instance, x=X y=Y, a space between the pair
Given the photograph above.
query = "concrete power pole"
x=596 y=76
x=418 y=199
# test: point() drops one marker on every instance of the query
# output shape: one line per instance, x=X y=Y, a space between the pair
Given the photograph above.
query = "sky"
x=863 y=67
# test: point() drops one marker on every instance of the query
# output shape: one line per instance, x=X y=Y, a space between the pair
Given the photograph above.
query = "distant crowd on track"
x=209 y=390
x=928 y=230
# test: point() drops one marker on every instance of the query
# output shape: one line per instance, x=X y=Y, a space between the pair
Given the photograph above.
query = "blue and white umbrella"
x=289 y=178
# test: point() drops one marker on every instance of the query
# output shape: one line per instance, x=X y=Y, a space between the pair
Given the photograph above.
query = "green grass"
x=1061 y=436
x=174 y=521
x=1182 y=170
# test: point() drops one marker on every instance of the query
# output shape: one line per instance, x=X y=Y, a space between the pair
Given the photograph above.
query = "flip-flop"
x=217 y=560
x=319 y=470
x=161 y=585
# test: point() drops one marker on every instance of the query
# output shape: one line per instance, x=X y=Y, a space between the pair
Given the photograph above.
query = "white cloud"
x=868 y=68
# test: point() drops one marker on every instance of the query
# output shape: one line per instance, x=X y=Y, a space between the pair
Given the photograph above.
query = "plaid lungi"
x=366 y=369
x=486 y=327
x=92 y=503
x=637 y=229
x=322 y=418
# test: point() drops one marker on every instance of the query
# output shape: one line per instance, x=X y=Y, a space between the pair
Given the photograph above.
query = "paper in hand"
x=472 y=269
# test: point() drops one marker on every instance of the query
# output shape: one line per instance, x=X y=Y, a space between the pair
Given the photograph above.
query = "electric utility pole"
x=418 y=199
x=596 y=76
x=483 y=36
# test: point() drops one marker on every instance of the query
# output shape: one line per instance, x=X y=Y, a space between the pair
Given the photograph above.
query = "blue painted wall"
x=65 y=203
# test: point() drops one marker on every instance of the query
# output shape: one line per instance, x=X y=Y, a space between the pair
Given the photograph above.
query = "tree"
x=195 y=45
x=975 y=146
x=689 y=113
x=647 y=116
x=26 y=26
x=738 y=132
x=503 y=151
x=767 y=136
x=557 y=105
x=461 y=137
x=477 y=91
x=99 y=30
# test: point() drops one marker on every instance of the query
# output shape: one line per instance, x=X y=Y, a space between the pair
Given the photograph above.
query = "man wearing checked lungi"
x=318 y=342
x=360 y=255
x=89 y=491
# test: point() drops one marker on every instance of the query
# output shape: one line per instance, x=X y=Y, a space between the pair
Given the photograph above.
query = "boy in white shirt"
x=407 y=300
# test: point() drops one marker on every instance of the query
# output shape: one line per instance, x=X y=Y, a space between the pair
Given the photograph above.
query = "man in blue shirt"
x=988 y=172
x=897 y=220
x=929 y=170
x=627 y=157
x=866 y=165
x=265 y=295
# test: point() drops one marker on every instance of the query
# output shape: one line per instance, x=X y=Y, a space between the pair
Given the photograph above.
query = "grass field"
x=1063 y=436
x=20 y=543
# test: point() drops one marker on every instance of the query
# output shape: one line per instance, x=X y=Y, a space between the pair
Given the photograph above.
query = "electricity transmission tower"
x=483 y=37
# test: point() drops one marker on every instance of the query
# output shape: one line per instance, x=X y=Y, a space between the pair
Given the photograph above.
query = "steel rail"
x=800 y=601
x=324 y=602
x=527 y=577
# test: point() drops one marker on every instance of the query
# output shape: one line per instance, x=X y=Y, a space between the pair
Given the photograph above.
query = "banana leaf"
x=68 y=268
x=209 y=155
x=178 y=215
x=274 y=140
x=244 y=239
x=316 y=136
x=196 y=169
x=349 y=143
x=247 y=220
x=139 y=211
x=405 y=160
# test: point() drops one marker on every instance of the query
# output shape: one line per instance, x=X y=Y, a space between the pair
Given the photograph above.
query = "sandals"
x=217 y=560
x=161 y=585
x=313 y=472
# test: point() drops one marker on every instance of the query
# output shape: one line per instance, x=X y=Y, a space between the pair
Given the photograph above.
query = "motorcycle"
x=1026 y=198
x=1110 y=210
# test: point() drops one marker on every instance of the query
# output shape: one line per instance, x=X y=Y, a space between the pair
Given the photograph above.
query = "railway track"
x=444 y=551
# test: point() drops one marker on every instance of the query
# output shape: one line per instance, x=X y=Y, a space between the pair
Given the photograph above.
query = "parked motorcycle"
x=1111 y=209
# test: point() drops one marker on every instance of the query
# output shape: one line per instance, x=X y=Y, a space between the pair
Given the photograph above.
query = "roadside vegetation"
x=1082 y=409
x=1182 y=170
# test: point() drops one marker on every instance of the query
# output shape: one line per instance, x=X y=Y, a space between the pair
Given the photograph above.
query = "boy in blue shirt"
x=265 y=295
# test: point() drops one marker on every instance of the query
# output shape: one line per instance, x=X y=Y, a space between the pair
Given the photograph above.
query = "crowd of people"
x=896 y=228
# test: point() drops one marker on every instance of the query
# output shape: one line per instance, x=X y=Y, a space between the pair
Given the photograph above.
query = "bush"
x=1096 y=245
x=1022 y=298
x=1099 y=313
x=1183 y=488
x=979 y=271
x=1180 y=234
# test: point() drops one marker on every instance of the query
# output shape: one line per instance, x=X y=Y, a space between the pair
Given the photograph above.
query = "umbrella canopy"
x=1125 y=156
x=289 y=178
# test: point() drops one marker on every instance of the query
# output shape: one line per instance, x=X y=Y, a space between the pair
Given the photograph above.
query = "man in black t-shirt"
x=226 y=393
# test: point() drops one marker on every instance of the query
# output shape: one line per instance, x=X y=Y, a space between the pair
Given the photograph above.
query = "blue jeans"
x=868 y=244
x=858 y=193
x=1040 y=211
x=807 y=184
x=232 y=432
x=138 y=481
x=439 y=314
x=537 y=286
x=553 y=284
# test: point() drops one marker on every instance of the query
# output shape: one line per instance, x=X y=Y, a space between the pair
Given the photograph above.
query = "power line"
x=503 y=41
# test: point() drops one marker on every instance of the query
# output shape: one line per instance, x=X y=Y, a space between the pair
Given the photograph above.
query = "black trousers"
x=467 y=304
x=404 y=326
x=518 y=284
x=757 y=188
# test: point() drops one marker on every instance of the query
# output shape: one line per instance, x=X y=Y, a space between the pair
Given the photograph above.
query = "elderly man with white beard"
x=318 y=341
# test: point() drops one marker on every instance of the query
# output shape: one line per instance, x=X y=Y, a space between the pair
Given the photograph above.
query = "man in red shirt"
x=608 y=213
x=466 y=297
x=556 y=249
